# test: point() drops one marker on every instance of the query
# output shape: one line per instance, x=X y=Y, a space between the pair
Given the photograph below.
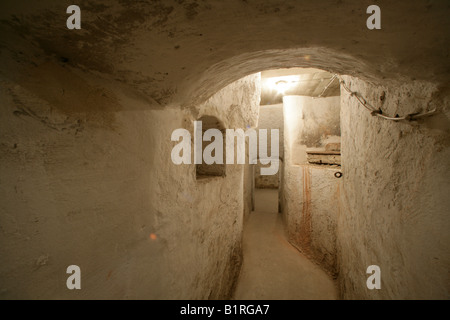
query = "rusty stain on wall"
x=305 y=222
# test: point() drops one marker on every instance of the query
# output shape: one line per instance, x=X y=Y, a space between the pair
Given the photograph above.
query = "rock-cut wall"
x=270 y=117
x=86 y=179
x=394 y=193
x=310 y=193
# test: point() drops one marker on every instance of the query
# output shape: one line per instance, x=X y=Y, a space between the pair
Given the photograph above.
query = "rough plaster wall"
x=310 y=193
x=209 y=212
x=312 y=122
x=76 y=189
x=394 y=194
x=248 y=189
x=321 y=122
x=200 y=221
x=311 y=205
x=237 y=107
x=270 y=117
x=266 y=181
x=93 y=185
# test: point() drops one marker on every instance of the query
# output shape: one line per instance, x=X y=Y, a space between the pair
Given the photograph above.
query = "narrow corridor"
x=272 y=268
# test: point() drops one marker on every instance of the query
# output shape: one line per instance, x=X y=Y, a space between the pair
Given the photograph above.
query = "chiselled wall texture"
x=394 y=193
x=96 y=187
x=310 y=193
x=270 y=117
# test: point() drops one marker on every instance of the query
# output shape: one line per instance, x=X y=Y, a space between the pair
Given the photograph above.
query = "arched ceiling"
x=182 y=51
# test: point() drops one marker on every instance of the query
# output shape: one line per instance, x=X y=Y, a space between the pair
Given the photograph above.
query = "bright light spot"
x=153 y=236
x=281 y=84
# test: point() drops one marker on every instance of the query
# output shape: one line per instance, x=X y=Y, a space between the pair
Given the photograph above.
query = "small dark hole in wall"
x=211 y=170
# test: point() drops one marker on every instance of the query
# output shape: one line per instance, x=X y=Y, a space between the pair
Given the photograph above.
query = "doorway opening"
x=304 y=105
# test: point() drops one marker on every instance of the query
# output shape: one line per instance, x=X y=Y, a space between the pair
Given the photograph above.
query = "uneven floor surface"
x=272 y=268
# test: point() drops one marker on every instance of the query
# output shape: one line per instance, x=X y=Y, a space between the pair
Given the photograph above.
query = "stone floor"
x=272 y=268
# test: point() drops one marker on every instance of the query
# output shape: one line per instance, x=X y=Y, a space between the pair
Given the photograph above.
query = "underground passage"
x=224 y=150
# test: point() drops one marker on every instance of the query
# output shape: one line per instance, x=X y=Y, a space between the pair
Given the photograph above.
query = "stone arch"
x=221 y=74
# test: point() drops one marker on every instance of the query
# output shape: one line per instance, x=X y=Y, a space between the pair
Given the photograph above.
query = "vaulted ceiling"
x=183 y=51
